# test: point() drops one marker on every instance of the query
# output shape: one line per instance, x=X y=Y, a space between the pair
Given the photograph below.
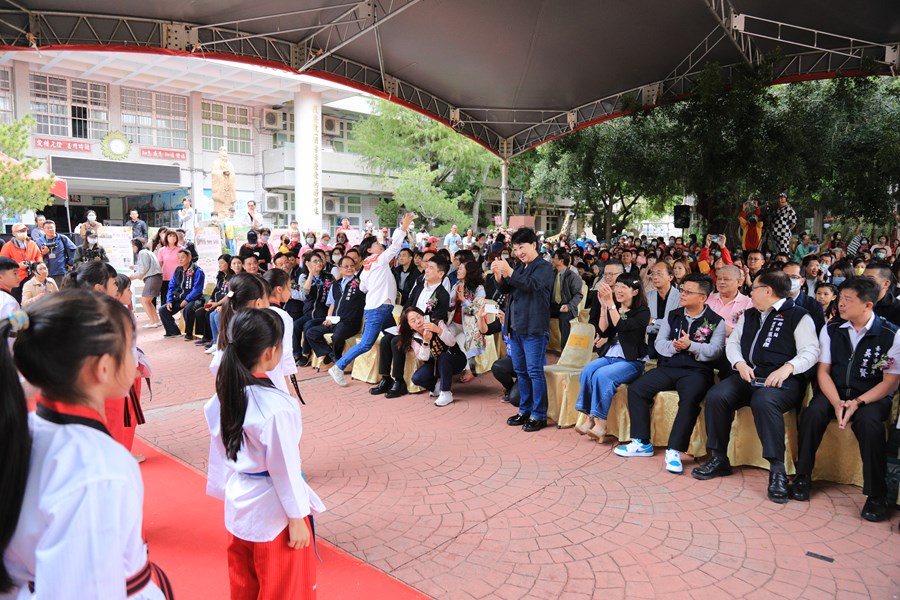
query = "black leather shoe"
x=534 y=425
x=383 y=386
x=397 y=390
x=875 y=510
x=801 y=487
x=505 y=396
x=328 y=359
x=778 y=487
x=518 y=420
x=715 y=467
x=304 y=361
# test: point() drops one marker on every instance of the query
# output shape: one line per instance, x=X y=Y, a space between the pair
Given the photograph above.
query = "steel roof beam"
x=725 y=15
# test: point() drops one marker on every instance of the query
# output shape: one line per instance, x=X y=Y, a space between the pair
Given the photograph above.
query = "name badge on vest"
x=774 y=330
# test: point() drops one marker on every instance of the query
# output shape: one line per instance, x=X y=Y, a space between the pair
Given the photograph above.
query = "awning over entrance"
x=508 y=73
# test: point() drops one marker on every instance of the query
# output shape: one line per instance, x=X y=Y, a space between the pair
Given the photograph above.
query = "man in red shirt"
x=24 y=251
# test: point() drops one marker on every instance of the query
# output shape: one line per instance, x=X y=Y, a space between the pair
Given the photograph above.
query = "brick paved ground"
x=456 y=504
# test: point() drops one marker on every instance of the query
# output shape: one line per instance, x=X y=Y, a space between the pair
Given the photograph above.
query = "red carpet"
x=186 y=532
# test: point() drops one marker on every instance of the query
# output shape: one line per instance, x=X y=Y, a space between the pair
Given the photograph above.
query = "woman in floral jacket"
x=468 y=297
x=315 y=287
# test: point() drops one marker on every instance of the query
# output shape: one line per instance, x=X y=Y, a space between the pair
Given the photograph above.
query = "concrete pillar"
x=21 y=85
x=504 y=191
x=202 y=204
x=308 y=160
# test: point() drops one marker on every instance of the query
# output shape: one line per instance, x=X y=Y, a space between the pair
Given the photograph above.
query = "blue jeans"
x=375 y=320
x=599 y=381
x=214 y=325
x=528 y=354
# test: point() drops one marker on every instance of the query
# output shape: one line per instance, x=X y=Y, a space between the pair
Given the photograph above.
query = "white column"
x=195 y=156
x=308 y=159
x=21 y=85
x=504 y=191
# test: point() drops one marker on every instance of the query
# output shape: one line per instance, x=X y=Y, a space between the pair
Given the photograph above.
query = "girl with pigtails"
x=255 y=467
x=71 y=509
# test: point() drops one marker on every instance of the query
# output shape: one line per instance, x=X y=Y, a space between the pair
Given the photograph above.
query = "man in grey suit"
x=565 y=295
x=661 y=299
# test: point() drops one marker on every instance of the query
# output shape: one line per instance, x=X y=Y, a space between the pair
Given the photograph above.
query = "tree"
x=18 y=191
x=434 y=171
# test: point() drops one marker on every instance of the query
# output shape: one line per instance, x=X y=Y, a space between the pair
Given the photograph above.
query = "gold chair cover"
x=563 y=378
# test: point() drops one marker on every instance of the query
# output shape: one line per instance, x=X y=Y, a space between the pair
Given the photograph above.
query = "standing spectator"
x=527 y=325
x=253 y=220
x=228 y=229
x=24 y=251
x=38 y=230
x=185 y=293
x=58 y=251
x=168 y=260
x=90 y=250
x=90 y=225
x=421 y=237
x=39 y=285
x=254 y=247
x=469 y=240
x=187 y=219
x=148 y=270
x=751 y=225
x=783 y=223
x=452 y=241
x=566 y=295
x=138 y=228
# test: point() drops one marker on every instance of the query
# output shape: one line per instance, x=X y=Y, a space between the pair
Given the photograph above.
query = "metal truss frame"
x=823 y=54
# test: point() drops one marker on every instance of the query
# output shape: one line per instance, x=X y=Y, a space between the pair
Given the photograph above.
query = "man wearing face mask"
x=24 y=251
x=800 y=298
x=888 y=306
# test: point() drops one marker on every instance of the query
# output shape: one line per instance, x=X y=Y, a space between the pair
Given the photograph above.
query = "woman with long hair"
x=204 y=314
x=72 y=501
x=90 y=250
x=468 y=296
x=255 y=467
x=39 y=285
x=148 y=270
x=159 y=240
x=377 y=280
x=435 y=345
x=623 y=321
x=681 y=267
x=168 y=260
x=279 y=283
x=244 y=291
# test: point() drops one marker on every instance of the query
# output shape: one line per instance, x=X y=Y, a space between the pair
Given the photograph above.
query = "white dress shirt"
x=805 y=340
x=79 y=533
x=377 y=279
x=855 y=337
x=257 y=507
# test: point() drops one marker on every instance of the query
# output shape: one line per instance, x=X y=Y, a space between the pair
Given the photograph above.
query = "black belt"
x=140 y=580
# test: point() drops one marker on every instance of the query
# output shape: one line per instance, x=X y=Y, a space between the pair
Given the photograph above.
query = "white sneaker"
x=148 y=326
x=210 y=350
x=338 y=375
x=436 y=391
x=634 y=448
x=673 y=461
x=444 y=399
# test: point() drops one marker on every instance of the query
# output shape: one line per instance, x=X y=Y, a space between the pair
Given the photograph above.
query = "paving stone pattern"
x=456 y=504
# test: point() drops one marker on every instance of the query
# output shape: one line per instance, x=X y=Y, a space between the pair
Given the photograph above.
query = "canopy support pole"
x=504 y=190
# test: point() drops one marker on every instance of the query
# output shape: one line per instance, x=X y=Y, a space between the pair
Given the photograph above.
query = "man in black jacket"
x=431 y=297
x=405 y=274
x=859 y=371
x=346 y=301
x=528 y=287
x=770 y=348
x=566 y=295
x=887 y=306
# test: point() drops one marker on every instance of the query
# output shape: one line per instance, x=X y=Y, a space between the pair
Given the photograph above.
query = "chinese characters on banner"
x=163 y=154
x=117 y=243
x=65 y=145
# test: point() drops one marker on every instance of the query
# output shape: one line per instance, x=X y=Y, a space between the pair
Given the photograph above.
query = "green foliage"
x=432 y=169
x=18 y=193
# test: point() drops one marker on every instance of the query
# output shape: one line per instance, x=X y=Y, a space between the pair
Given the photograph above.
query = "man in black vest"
x=887 y=306
x=432 y=298
x=690 y=339
x=859 y=371
x=771 y=347
x=345 y=301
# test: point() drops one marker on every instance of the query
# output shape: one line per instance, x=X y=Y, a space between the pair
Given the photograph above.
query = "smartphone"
x=208 y=305
x=715 y=238
x=758 y=382
x=491 y=309
x=427 y=318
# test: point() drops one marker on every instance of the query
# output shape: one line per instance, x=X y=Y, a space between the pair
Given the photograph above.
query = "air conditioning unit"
x=330 y=126
x=330 y=205
x=274 y=203
x=273 y=119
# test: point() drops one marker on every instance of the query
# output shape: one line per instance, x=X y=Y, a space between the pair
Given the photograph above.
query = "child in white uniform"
x=72 y=503
x=254 y=466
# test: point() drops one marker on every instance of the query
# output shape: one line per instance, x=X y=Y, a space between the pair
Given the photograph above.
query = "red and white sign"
x=163 y=154
x=65 y=145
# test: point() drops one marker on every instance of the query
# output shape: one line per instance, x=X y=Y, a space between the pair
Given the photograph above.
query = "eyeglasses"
x=756 y=287
x=689 y=292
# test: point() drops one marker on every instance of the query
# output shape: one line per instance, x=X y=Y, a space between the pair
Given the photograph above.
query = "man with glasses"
x=345 y=313
x=727 y=301
x=858 y=373
x=756 y=260
x=691 y=338
x=771 y=347
x=794 y=271
x=315 y=286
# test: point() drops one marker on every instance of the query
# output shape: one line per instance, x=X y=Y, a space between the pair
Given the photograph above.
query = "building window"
x=337 y=134
x=69 y=108
x=226 y=125
x=153 y=119
x=6 y=112
x=286 y=135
